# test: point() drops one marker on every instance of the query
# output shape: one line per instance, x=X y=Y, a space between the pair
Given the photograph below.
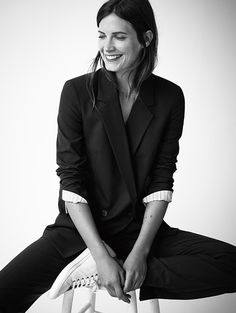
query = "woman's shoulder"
x=79 y=81
x=167 y=93
x=79 y=86
x=165 y=85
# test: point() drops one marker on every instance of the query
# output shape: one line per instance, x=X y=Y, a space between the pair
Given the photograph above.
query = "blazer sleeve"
x=161 y=175
x=71 y=154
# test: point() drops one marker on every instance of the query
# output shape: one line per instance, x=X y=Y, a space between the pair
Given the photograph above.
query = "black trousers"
x=182 y=265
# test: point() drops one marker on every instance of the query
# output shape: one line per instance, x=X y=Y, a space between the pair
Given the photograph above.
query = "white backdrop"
x=46 y=42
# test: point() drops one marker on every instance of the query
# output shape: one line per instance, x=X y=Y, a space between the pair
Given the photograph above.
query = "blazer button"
x=104 y=212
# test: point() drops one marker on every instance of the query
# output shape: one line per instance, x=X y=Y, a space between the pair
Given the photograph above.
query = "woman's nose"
x=109 y=46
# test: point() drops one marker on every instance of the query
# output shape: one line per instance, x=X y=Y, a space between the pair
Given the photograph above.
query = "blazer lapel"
x=140 y=116
x=124 y=138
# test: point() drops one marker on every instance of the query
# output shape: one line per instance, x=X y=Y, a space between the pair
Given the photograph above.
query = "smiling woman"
x=117 y=146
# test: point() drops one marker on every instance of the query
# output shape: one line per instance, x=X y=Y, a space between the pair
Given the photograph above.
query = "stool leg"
x=132 y=307
x=92 y=301
x=89 y=307
x=151 y=306
x=67 y=301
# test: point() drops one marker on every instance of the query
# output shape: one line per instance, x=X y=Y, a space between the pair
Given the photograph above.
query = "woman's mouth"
x=112 y=58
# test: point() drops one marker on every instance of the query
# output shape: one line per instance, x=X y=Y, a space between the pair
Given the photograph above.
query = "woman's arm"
x=153 y=217
x=135 y=264
x=81 y=216
x=110 y=273
x=161 y=179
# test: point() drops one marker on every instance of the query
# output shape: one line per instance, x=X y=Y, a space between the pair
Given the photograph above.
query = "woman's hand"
x=112 y=277
x=135 y=267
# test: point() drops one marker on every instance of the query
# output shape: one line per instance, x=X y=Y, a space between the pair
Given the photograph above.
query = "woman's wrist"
x=98 y=251
x=142 y=251
x=103 y=259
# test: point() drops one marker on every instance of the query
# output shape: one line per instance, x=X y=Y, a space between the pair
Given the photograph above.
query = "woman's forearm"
x=153 y=217
x=82 y=218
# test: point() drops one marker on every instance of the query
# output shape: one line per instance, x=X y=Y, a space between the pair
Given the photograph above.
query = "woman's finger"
x=128 y=282
x=139 y=283
x=139 y=279
x=121 y=294
x=122 y=278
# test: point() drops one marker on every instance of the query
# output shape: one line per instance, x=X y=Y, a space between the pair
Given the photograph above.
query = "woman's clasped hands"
x=120 y=278
x=135 y=267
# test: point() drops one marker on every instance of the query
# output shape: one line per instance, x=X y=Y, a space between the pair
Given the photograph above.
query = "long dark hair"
x=140 y=15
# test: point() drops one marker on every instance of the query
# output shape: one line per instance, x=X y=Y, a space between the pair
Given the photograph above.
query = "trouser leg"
x=185 y=265
x=29 y=275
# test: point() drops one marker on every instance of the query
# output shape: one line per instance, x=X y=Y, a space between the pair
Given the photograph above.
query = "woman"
x=118 y=140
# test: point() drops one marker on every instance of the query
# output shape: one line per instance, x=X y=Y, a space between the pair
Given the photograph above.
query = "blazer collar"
x=106 y=89
x=125 y=138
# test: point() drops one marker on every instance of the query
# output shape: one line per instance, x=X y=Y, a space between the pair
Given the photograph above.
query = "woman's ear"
x=148 y=36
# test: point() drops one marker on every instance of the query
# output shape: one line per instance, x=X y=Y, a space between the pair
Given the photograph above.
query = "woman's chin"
x=112 y=67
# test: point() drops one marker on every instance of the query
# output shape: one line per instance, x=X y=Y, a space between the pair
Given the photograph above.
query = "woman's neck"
x=124 y=84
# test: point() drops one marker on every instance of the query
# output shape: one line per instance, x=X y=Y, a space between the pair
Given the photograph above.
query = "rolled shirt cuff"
x=165 y=195
x=72 y=197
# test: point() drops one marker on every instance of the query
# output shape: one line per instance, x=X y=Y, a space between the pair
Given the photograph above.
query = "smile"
x=114 y=57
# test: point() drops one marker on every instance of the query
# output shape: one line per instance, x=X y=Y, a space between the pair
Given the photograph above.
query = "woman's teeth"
x=113 y=57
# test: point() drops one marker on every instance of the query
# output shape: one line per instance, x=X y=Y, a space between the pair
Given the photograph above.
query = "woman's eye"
x=120 y=37
x=116 y=37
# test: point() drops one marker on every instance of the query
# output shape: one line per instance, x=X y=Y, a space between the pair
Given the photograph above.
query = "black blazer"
x=113 y=164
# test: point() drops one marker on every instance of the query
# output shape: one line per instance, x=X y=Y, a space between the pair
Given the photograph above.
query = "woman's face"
x=118 y=43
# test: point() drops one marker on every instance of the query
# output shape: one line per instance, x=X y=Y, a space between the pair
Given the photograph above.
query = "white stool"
x=151 y=306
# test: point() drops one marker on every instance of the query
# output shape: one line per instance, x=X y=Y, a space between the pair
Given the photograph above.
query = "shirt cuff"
x=165 y=195
x=72 y=197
